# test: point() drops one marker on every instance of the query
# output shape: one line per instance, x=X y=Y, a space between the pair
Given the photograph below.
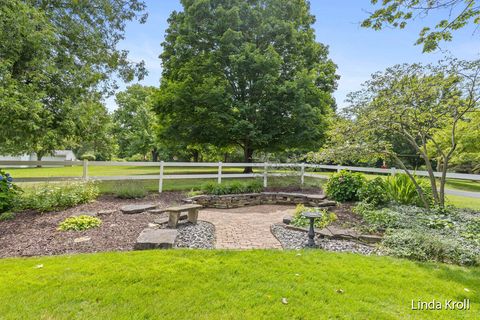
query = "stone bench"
x=174 y=213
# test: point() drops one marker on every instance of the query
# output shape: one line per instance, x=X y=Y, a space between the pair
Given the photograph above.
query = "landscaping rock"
x=156 y=239
x=137 y=208
x=106 y=212
x=81 y=239
x=196 y=236
x=287 y=219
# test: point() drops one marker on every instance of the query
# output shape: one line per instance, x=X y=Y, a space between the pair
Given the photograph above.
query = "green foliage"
x=135 y=124
x=344 y=186
x=8 y=192
x=429 y=246
x=300 y=221
x=8 y=215
x=450 y=15
x=266 y=89
x=55 y=55
x=51 y=197
x=374 y=192
x=232 y=188
x=130 y=190
x=401 y=189
x=420 y=234
x=79 y=223
x=377 y=219
x=87 y=156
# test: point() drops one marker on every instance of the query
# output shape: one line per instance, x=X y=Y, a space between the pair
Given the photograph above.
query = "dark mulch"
x=34 y=234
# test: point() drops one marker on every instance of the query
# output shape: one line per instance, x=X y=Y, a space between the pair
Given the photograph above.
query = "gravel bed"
x=291 y=239
x=196 y=236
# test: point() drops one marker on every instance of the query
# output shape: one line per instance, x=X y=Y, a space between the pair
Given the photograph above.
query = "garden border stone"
x=251 y=199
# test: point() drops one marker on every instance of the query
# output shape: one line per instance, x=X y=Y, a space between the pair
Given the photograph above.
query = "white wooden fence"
x=301 y=171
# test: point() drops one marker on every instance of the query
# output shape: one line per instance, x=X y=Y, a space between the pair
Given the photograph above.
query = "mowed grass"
x=77 y=171
x=196 y=284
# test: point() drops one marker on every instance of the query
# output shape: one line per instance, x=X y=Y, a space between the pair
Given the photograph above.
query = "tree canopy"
x=54 y=54
x=246 y=73
x=455 y=14
x=419 y=103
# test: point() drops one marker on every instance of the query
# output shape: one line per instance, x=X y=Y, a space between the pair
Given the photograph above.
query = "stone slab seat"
x=137 y=208
x=174 y=213
x=156 y=239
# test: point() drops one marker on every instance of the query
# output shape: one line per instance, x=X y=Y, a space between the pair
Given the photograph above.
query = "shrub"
x=374 y=192
x=428 y=246
x=51 y=197
x=300 y=221
x=401 y=189
x=8 y=215
x=88 y=156
x=8 y=192
x=232 y=188
x=79 y=223
x=344 y=185
x=130 y=190
x=377 y=220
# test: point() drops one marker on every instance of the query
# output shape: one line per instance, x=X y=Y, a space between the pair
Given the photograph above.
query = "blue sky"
x=358 y=52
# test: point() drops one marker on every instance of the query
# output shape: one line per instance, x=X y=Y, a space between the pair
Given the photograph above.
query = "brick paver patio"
x=247 y=227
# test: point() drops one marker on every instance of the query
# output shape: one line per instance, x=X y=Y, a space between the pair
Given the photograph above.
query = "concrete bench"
x=174 y=213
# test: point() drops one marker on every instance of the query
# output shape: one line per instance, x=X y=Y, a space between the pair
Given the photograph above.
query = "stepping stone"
x=156 y=239
x=164 y=220
x=339 y=233
x=90 y=214
x=137 y=208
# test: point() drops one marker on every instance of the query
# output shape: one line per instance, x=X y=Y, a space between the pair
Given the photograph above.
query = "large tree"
x=421 y=104
x=54 y=54
x=246 y=73
x=451 y=14
x=135 y=123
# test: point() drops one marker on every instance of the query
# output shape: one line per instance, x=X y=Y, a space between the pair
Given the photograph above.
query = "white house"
x=58 y=155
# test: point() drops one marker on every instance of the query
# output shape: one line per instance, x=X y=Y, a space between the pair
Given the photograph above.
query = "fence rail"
x=302 y=173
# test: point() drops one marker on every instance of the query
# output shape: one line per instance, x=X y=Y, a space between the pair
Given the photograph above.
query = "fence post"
x=265 y=169
x=85 y=169
x=302 y=173
x=219 y=178
x=338 y=168
x=393 y=171
x=160 y=181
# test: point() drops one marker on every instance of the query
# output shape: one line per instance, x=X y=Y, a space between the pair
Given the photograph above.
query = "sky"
x=358 y=52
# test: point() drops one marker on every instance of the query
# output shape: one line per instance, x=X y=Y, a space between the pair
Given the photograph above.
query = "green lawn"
x=195 y=284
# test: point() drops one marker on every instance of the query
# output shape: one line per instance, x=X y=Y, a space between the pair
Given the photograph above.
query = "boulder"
x=156 y=239
x=287 y=219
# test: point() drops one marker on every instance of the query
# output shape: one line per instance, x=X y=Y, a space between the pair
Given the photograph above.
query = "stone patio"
x=247 y=227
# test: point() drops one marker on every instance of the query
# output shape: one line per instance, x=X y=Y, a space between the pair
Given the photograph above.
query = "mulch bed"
x=34 y=234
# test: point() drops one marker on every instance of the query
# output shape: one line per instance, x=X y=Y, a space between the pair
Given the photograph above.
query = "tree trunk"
x=40 y=155
x=225 y=157
x=195 y=155
x=155 y=155
x=248 y=158
x=412 y=178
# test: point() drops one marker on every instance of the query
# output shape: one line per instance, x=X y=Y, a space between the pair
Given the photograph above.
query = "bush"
x=8 y=215
x=232 y=188
x=130 y=190
x=51 y=197
x=344 y=186
x=428 y=246
x=374 y=192
x=8 y=192
x=300 y=221
x=401 y=189
x=88 y=156
x=79 y=223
